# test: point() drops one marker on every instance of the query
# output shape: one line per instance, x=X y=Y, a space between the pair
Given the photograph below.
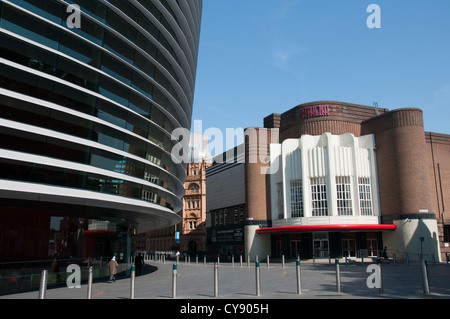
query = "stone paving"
x=318 y=281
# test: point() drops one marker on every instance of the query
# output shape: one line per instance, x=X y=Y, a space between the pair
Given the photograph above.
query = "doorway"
x=349 y=248
x=321 y=248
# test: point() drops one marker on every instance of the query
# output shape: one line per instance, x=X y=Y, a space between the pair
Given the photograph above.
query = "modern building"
x=225 y=204
x=90 y=92
x=332 y=179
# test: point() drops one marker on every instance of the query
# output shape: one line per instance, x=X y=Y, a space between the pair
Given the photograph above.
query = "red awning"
x=333 y=228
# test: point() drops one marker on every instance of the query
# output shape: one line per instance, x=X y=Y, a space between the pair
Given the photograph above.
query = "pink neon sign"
x=316 y=110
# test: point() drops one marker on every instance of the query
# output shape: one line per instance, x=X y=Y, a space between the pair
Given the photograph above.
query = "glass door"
x=372 y=247
x=348 y=247
x=321 y=248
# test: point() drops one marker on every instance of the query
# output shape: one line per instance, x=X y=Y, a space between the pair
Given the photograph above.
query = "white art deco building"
x=310 y=165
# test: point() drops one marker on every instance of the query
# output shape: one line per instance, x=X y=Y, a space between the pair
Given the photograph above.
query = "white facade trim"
x=327 y=156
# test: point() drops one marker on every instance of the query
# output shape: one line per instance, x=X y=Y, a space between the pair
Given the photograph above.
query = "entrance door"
x=349 y=247
x=321 y=248
x=295 y=248
x=372 y=247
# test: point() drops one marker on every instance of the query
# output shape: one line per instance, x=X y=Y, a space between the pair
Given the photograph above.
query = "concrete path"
x=317 y=282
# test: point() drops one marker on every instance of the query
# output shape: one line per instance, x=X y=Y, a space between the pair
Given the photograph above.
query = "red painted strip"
x=313 y=228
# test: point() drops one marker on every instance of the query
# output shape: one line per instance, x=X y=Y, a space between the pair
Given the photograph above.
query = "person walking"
x=112 y=269
x=138 y=262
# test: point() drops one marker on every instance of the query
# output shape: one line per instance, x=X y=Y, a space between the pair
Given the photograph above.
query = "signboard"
x=227 y=235
x=315 y=111
x=177 y=237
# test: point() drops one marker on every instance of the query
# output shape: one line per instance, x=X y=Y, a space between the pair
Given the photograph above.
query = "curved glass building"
x=90 y=92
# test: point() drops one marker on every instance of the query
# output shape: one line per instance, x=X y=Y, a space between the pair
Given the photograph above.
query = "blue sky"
x=258 y=57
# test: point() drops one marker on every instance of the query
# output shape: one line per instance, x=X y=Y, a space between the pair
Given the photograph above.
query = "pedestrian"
x=138 y=262
x=384 y=253
x=112 y=269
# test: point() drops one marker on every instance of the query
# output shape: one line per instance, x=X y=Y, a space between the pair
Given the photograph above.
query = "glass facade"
x=89 y=111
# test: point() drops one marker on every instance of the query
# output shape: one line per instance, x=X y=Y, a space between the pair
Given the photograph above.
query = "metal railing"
x=22 y=276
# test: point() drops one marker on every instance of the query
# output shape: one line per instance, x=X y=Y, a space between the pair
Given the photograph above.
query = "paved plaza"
x=318 y=281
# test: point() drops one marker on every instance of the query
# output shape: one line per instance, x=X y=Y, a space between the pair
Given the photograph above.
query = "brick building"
x=331 y=179
x=189 y=236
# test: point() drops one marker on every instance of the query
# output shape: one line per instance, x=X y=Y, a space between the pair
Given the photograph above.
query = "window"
x=446 y=233
x=296 y=198
x=194 y=188
x=225 y=217
x=319 y=197
x=344 y=196
x=280 y=201
x=193 y=225
x=365 y=196
x=241 y=213
x=149 y=196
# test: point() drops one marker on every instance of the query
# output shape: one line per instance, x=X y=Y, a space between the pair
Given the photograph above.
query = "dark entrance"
x=192 y=248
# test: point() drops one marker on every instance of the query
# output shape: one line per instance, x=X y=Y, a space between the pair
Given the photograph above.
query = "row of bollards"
x=44 y=279
x=424 y=270
x=379 y=281
x=216 y=279
x=425 y=280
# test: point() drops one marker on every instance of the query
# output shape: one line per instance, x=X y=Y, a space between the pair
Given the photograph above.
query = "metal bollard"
x=248 y=260
x=258 y=279
x=232 y=260
x=338 y=276
x=196 y=260
x=133 y=276
x=174 y=281
x=283 y=262
x=204 y=260
x=268 y=261
x=381 y=290
x=425 y=282
x=216 y=280
x=299 y=280
x=240 y=260
x=43 y=287
x=90 y=277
